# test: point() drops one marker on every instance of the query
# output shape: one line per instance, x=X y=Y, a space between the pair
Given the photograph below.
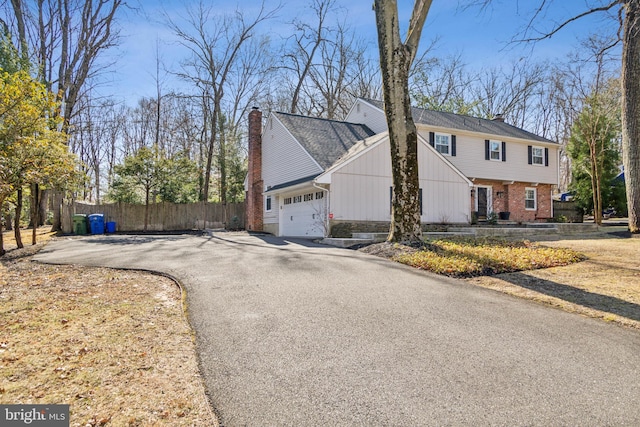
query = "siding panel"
x=360 y=190
x=283 y=159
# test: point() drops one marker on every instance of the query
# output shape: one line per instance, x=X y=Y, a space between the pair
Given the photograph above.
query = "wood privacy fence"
x=162 y=216
x=567 y=209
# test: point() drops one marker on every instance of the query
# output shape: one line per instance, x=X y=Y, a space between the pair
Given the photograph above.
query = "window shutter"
x=420 y=198
x=432 y=139
x=486 y=149
x=453 y=145
x=546 y=157
x=530 y=149
x=504 y=151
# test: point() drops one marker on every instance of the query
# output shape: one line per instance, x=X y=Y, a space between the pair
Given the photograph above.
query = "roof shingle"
x=466 y=123
x=325 y=140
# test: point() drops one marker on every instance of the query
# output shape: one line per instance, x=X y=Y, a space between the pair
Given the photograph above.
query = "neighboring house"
x=318 y=177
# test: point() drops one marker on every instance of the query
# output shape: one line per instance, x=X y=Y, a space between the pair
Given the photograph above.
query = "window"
x=268 y=201
x=308 y=197
x=530 y=198
x=537 y=156
x=319 y=195
x=442 y=144
x=287 y=200
x=297 y=199
x=495 y=151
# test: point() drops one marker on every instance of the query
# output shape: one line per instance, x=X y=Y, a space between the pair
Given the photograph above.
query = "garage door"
x=303 y=218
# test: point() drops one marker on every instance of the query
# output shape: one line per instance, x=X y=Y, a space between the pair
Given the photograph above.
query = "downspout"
x=326 y=218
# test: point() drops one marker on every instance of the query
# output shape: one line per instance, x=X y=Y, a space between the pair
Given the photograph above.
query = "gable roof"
x=466 y=123
x=325 y=140
x=367 y=144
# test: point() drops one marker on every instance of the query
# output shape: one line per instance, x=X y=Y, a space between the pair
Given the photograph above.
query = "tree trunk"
x=631 y=110
x=222 y=158
x=35 y=212
x=395 y=61
x=2 y=251
x=16 y=224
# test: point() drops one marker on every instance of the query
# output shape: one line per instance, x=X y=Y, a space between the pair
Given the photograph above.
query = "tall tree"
x=626 y=15
x=66 y=40
x=593 y=148
x=396 y=58
x=215 y=57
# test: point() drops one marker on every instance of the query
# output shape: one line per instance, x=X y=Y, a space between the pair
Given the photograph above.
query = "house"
x=317 y=177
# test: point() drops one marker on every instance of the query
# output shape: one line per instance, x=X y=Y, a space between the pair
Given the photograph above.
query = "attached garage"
x=303 y=214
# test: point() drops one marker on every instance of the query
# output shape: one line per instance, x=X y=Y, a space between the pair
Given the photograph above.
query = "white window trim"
x=535 y=198
x=448 y=144
x=499 y=159
x=533 y=148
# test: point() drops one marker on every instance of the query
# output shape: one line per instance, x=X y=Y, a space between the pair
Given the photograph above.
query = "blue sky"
x=479 y=36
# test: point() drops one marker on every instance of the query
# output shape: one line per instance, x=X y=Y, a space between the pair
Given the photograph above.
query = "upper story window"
x=442 y=144
x=495 y=150
x=538 y=156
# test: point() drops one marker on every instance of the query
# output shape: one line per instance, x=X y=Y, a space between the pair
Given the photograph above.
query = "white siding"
x=272 y=216
x=283 y=159
x=470 y=160
x=360 y=189
x=364 y=113
x=470 y=156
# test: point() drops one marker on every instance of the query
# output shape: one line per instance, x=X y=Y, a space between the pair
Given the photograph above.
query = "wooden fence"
x=162 y=216
x=567 y=209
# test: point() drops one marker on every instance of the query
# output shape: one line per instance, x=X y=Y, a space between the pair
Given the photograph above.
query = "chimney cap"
x=498 y=118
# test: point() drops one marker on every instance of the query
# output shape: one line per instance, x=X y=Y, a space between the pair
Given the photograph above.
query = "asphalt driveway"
x=290 y=333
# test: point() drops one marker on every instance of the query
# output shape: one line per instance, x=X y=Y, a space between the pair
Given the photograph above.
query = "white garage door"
x=302 y=218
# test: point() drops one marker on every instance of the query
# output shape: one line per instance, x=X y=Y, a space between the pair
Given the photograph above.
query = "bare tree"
x=396 y=58
x=215 y=57
x=68 y=37
x=626 y=15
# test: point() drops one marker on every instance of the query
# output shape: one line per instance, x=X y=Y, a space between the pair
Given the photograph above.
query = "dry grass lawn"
x=606 y=285
x=114 y=345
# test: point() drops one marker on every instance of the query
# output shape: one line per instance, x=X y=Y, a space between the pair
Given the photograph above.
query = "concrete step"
x=505 y=231
x=344 y=242
x=445 y=234
x=376 y=237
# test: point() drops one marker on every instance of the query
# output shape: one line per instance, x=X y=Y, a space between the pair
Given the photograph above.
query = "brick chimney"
x=254 y=202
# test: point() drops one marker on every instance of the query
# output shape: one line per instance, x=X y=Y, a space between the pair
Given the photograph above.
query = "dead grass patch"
x=113 y=344
x=605 y=285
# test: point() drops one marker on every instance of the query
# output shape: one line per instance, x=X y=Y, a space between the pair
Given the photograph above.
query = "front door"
x=482 y=201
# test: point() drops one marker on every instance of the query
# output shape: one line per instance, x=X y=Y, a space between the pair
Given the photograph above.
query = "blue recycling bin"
x=111 y=226
x=96 y=223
